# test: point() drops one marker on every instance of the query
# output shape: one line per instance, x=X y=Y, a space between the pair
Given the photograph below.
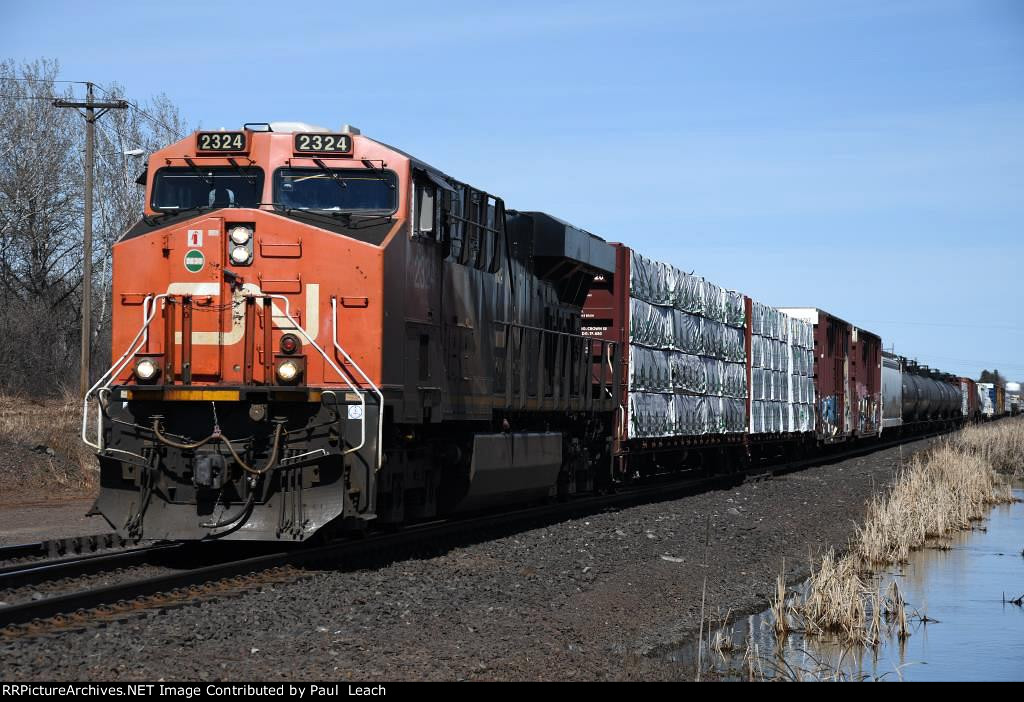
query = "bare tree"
x=123 y=142
x=41 y=188
x=40 y=230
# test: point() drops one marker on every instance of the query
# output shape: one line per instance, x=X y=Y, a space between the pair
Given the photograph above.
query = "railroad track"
x=189 y=584
x=54 y=548
x=21 y=575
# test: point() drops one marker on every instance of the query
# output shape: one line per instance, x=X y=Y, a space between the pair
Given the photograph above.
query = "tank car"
x=919 y=398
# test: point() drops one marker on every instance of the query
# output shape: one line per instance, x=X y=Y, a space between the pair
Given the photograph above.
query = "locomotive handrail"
x=344 y=377
x=112 y=372
x=376 y=390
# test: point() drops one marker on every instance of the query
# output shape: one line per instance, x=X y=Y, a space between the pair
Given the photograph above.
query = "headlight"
x=287 y=371
x=240 y=254
x=240 y=235
x=146 y=369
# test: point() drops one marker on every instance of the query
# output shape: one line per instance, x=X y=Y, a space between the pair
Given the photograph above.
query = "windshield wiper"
x=331 y=174
x=174 y=211
x=288 y=210
x=250 y=178
x=208 y=179
x=378 y=171
x=347 y=215
x=363 y=217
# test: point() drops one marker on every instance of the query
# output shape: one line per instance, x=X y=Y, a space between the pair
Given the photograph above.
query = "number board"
x=323 y=143
x=220 y=142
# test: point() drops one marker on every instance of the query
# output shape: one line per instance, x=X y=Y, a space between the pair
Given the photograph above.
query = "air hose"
x=217 y=435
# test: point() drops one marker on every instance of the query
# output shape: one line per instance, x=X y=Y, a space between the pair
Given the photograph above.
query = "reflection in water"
x=960 y=626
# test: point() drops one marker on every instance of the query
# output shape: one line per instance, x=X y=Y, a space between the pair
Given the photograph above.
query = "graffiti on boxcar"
x=828 y=408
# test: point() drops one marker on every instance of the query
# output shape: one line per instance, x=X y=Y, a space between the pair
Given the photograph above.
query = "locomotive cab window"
x=184 y=188
x=344 y=191
x=426 y=209
x=454 y=224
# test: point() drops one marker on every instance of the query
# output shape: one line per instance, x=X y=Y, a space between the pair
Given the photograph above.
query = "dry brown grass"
x=947 y=489
x=835 y=602
x=1000 y=444
x=42 y=446
x=778 y=607
x=944 y=491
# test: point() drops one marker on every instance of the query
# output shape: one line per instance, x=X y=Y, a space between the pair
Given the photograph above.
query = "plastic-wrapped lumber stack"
x=687 y=373
x=781 y=373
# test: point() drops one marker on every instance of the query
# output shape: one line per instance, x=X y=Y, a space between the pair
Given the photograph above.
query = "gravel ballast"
x=595 y=598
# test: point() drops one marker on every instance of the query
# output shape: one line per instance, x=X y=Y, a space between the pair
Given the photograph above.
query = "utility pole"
x=93 y=111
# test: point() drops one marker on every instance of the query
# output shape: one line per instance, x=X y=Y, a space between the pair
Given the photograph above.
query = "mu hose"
x=226 y=521
x=216 y=435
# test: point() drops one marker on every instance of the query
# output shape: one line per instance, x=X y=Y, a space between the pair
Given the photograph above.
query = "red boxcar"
x=969 y=407
x=847 y=376
x=866 y=382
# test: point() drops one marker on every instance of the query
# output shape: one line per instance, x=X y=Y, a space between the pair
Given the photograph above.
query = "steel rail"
x=77 y=566
x=72 y=545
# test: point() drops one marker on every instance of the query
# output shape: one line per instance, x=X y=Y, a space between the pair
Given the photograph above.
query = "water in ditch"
x=968 y=590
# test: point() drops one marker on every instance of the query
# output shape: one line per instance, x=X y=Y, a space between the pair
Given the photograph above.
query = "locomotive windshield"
x=348 y=190
x=190 y=188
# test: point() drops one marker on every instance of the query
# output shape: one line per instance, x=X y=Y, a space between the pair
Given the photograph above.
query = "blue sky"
x=862 y=157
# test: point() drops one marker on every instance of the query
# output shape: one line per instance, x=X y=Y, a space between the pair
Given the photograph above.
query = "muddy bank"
x=28 y=522
x=41 y=451
x=30 y=474
x=601 y=597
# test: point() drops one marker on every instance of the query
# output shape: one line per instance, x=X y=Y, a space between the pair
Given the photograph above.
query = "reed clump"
x=1000 y=444
x=939 y=492
x=835 y=600
x=944 y=491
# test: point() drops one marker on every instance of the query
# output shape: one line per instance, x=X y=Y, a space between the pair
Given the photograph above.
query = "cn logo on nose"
x=194 y=261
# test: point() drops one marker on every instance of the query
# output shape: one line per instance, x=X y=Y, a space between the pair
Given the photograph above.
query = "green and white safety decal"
x=194 y=261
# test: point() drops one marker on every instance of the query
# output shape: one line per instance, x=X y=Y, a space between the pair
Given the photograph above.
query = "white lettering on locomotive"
x=218 y=338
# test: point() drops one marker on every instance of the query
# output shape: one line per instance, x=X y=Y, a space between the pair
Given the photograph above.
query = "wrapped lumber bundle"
x=687 y=354
x=782 y=370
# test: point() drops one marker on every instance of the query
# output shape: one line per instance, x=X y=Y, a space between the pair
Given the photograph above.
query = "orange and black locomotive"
x=320 y=331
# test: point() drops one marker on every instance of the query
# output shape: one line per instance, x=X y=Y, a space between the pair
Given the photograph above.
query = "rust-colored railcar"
x=847 y=376
x=969 y=407
x=607 y=316
x=866 y=383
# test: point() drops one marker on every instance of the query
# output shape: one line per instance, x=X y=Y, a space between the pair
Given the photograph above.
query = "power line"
x=44 y=80
x=943 y=324
x=135 y=106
